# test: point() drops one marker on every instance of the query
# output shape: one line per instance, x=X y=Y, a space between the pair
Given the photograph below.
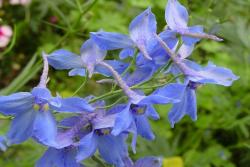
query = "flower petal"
x=127 y=52
x=148 y=162
x=45 y=129
x=123 y=121
x=142 y=30
x=41 y=94
x=16 y=103
x=21 y=127
x=111 y=40
x=63 y=59
x=112 y=149
x=74 y=104
x=185 y=50
x=151 y=112
x=143 y=127
x=176 y=15
x=77 y=71
x=91 y=55
x=87 y=147
x=190 y=40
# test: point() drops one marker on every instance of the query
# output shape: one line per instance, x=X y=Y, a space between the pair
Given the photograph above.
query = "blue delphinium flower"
x=141 y=35
x=32 y=112
x=90 y=55
x=176 y=16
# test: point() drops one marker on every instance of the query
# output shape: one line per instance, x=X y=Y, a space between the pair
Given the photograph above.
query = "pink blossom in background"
x=5 y=35
x=21 y=2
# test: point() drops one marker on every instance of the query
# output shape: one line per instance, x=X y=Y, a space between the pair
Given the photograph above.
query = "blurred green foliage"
x=219 y=138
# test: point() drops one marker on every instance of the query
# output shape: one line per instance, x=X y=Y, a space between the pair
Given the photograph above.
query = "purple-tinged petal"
x=123 y=121
x=58 y=157
x=106 y=121
x=176 y=15
x=127 y=52
x=45 y=129
x=16 y=103
x=142 y=30
x=148 y=162
x=187 y=106
x=21 y=127
x=143 y=127
x=151 y=112
x=118 y=66
x=112 y=149
x=191 y=40
x=70 y=121
x=91 y=55
x=75 y=105
x=111 y=40
x=63 y=59
x=87 y=147
x=140 y=75
x=77 y=71
x=185 y=51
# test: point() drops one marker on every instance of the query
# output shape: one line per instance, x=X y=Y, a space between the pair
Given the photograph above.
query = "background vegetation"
x=220 y=137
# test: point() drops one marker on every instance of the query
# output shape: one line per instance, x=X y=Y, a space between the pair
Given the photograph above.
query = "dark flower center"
x=138 y=109
x=103 y=131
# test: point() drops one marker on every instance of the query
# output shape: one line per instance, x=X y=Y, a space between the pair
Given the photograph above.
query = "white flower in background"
x=5 y=35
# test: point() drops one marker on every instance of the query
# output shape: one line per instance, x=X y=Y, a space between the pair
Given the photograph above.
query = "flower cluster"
x=92 y=125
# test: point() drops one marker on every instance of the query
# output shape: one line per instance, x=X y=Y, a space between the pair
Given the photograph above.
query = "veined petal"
x=77 y=71
x=63 y=59
x=149 y=161
x=45 y=129
x=112 y=149
x=21 y=127
x=191 y=40
x=142 y=30
x=58 y=157
x=123 y=121
x=16 y=103
x=186 y=106
x=118 y=66
x=87 y=147
x=111 y=40
x=143 y=127
x=74 y=104
x=127 y=52
x=176 y=15
x=140 y=75
x=91 y=55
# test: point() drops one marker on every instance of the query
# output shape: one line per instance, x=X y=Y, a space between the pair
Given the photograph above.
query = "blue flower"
x=176 y=16
x=149 y=161
x=141 y=35
x=91 y=55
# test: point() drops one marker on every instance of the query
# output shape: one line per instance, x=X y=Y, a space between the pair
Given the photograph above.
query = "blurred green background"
x=221 y=135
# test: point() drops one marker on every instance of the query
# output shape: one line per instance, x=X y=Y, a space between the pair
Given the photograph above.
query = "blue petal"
x=111 y=40
x=91 y=55
x=151 y=112
x=21 y=127
x=41 y=94
x=45 y=129
x=77 y=71
x=142 y=30
x=127 y=52
x=139 y=76
x=148 y=162
x=211 y=74
x=176 y=15
x=186 y=106
x=70 y=122
x=59 y=158
x=123 y=121
x=63 y=59
x=143 y=127
x=74 y=104
x=112 y=149
x=170 y=93
x=87 y=147
x=118 y=66
x=16 y=103
x=189 y=40
x=185 y=50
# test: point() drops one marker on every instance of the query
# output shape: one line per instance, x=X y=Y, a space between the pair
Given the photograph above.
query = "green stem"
x=96 y=159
